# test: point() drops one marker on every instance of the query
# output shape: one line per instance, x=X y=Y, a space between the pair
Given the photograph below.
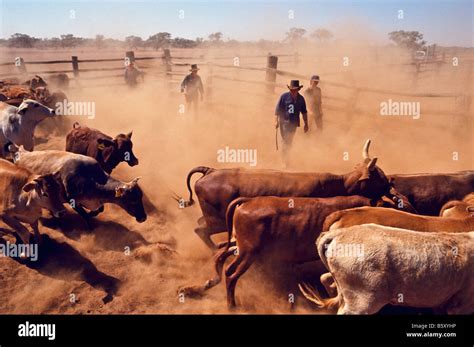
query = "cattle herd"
x=404 y=240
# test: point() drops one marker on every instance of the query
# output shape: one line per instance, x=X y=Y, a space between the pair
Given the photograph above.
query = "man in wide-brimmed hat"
x=313 y=97
x=287 y=113
x=192 y=86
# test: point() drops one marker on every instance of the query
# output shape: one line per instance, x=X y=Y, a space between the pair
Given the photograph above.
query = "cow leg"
x=205 y=233
x=233 y=272
x=20 y=229
x=199 y=290
x=35 y=228
x=328 y=282
x=358 y=302
x=96 y=212
x=85 y=216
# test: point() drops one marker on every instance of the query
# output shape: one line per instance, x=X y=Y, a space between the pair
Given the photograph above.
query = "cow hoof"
x=191 y=291
x=108 y=298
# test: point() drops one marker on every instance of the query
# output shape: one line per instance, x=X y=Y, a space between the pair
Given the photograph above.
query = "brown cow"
x=398 y=219
x=286 y=228
x=24 y=195
x=375 y=265
x=427 y=193
x=108 y=151
x=218 y=188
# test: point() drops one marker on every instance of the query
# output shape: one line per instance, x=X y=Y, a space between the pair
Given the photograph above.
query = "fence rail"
x=269 y=83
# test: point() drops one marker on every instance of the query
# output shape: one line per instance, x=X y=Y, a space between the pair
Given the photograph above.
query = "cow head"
x=119 y=149
x=36 y=82
x=129 y=197
x=34 y=111
x=367 y=178
x=48 y=191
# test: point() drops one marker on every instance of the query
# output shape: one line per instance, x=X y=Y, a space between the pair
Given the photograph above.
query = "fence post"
x=130 y=55
x=20 y=65
x=272 y=64
x=75 y=66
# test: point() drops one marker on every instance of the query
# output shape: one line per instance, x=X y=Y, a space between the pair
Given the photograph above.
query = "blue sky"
x=443 y=22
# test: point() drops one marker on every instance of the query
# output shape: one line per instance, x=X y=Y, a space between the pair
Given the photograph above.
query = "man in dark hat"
x=287 y=113
x=192 y=86
x=313 y=95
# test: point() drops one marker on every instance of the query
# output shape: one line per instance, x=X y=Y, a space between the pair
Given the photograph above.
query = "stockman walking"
x=315 y=107
x=191 y=87
x=131 y=74
x=287 y=113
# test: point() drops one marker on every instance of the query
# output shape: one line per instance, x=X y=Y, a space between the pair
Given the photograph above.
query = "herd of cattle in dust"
x=403 y=239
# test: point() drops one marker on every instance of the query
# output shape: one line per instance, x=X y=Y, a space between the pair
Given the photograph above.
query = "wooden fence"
x=169 y=69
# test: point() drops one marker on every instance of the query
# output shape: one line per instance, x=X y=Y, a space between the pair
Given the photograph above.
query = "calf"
x=84 y=183
x=396 y=266
x=17 y=124
x=23 y=197
x=397 y=219
x=285 y=228
x=108 y=151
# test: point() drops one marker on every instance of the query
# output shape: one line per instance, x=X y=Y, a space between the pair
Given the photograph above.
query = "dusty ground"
x=164 y=251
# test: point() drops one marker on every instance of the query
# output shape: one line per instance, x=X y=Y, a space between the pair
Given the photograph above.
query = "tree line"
x=411 y=40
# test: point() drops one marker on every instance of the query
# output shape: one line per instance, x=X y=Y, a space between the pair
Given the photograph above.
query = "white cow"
x=17 y=124
x=375 y=265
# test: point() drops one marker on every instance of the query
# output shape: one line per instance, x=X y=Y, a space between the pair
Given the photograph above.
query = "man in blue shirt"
x=287 y=113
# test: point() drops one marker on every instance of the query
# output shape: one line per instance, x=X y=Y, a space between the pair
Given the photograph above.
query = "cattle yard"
x=161 y=265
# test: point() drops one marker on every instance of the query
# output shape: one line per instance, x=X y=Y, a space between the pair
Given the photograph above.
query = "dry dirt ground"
x=144 y=264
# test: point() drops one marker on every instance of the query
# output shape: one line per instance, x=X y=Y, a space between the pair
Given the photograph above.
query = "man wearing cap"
x=287 y=113
x=192 y=86
x=313 y=95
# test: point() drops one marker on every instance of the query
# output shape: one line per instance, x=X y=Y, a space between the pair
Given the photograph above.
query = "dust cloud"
x=78 y=268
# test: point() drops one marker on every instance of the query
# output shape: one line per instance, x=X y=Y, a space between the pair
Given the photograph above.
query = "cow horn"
x=135 y=180
x=371 y=164
x=365 y=151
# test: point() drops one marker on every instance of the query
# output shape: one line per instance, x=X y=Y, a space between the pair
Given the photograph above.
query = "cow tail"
x=311 y=293
x=229 y=216
x=331 y=219
x=199 y=169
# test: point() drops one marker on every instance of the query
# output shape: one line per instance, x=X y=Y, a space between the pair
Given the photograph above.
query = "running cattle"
x=427 y=193
x=17 y=124
x=84 y=182
x=108 y=151
x=23 y=197
x=218 y=188
x=285 y=228
x=374 y=265
x=398 y=219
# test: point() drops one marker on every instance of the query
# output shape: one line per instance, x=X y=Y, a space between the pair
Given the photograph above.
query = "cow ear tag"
x=101 y=146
